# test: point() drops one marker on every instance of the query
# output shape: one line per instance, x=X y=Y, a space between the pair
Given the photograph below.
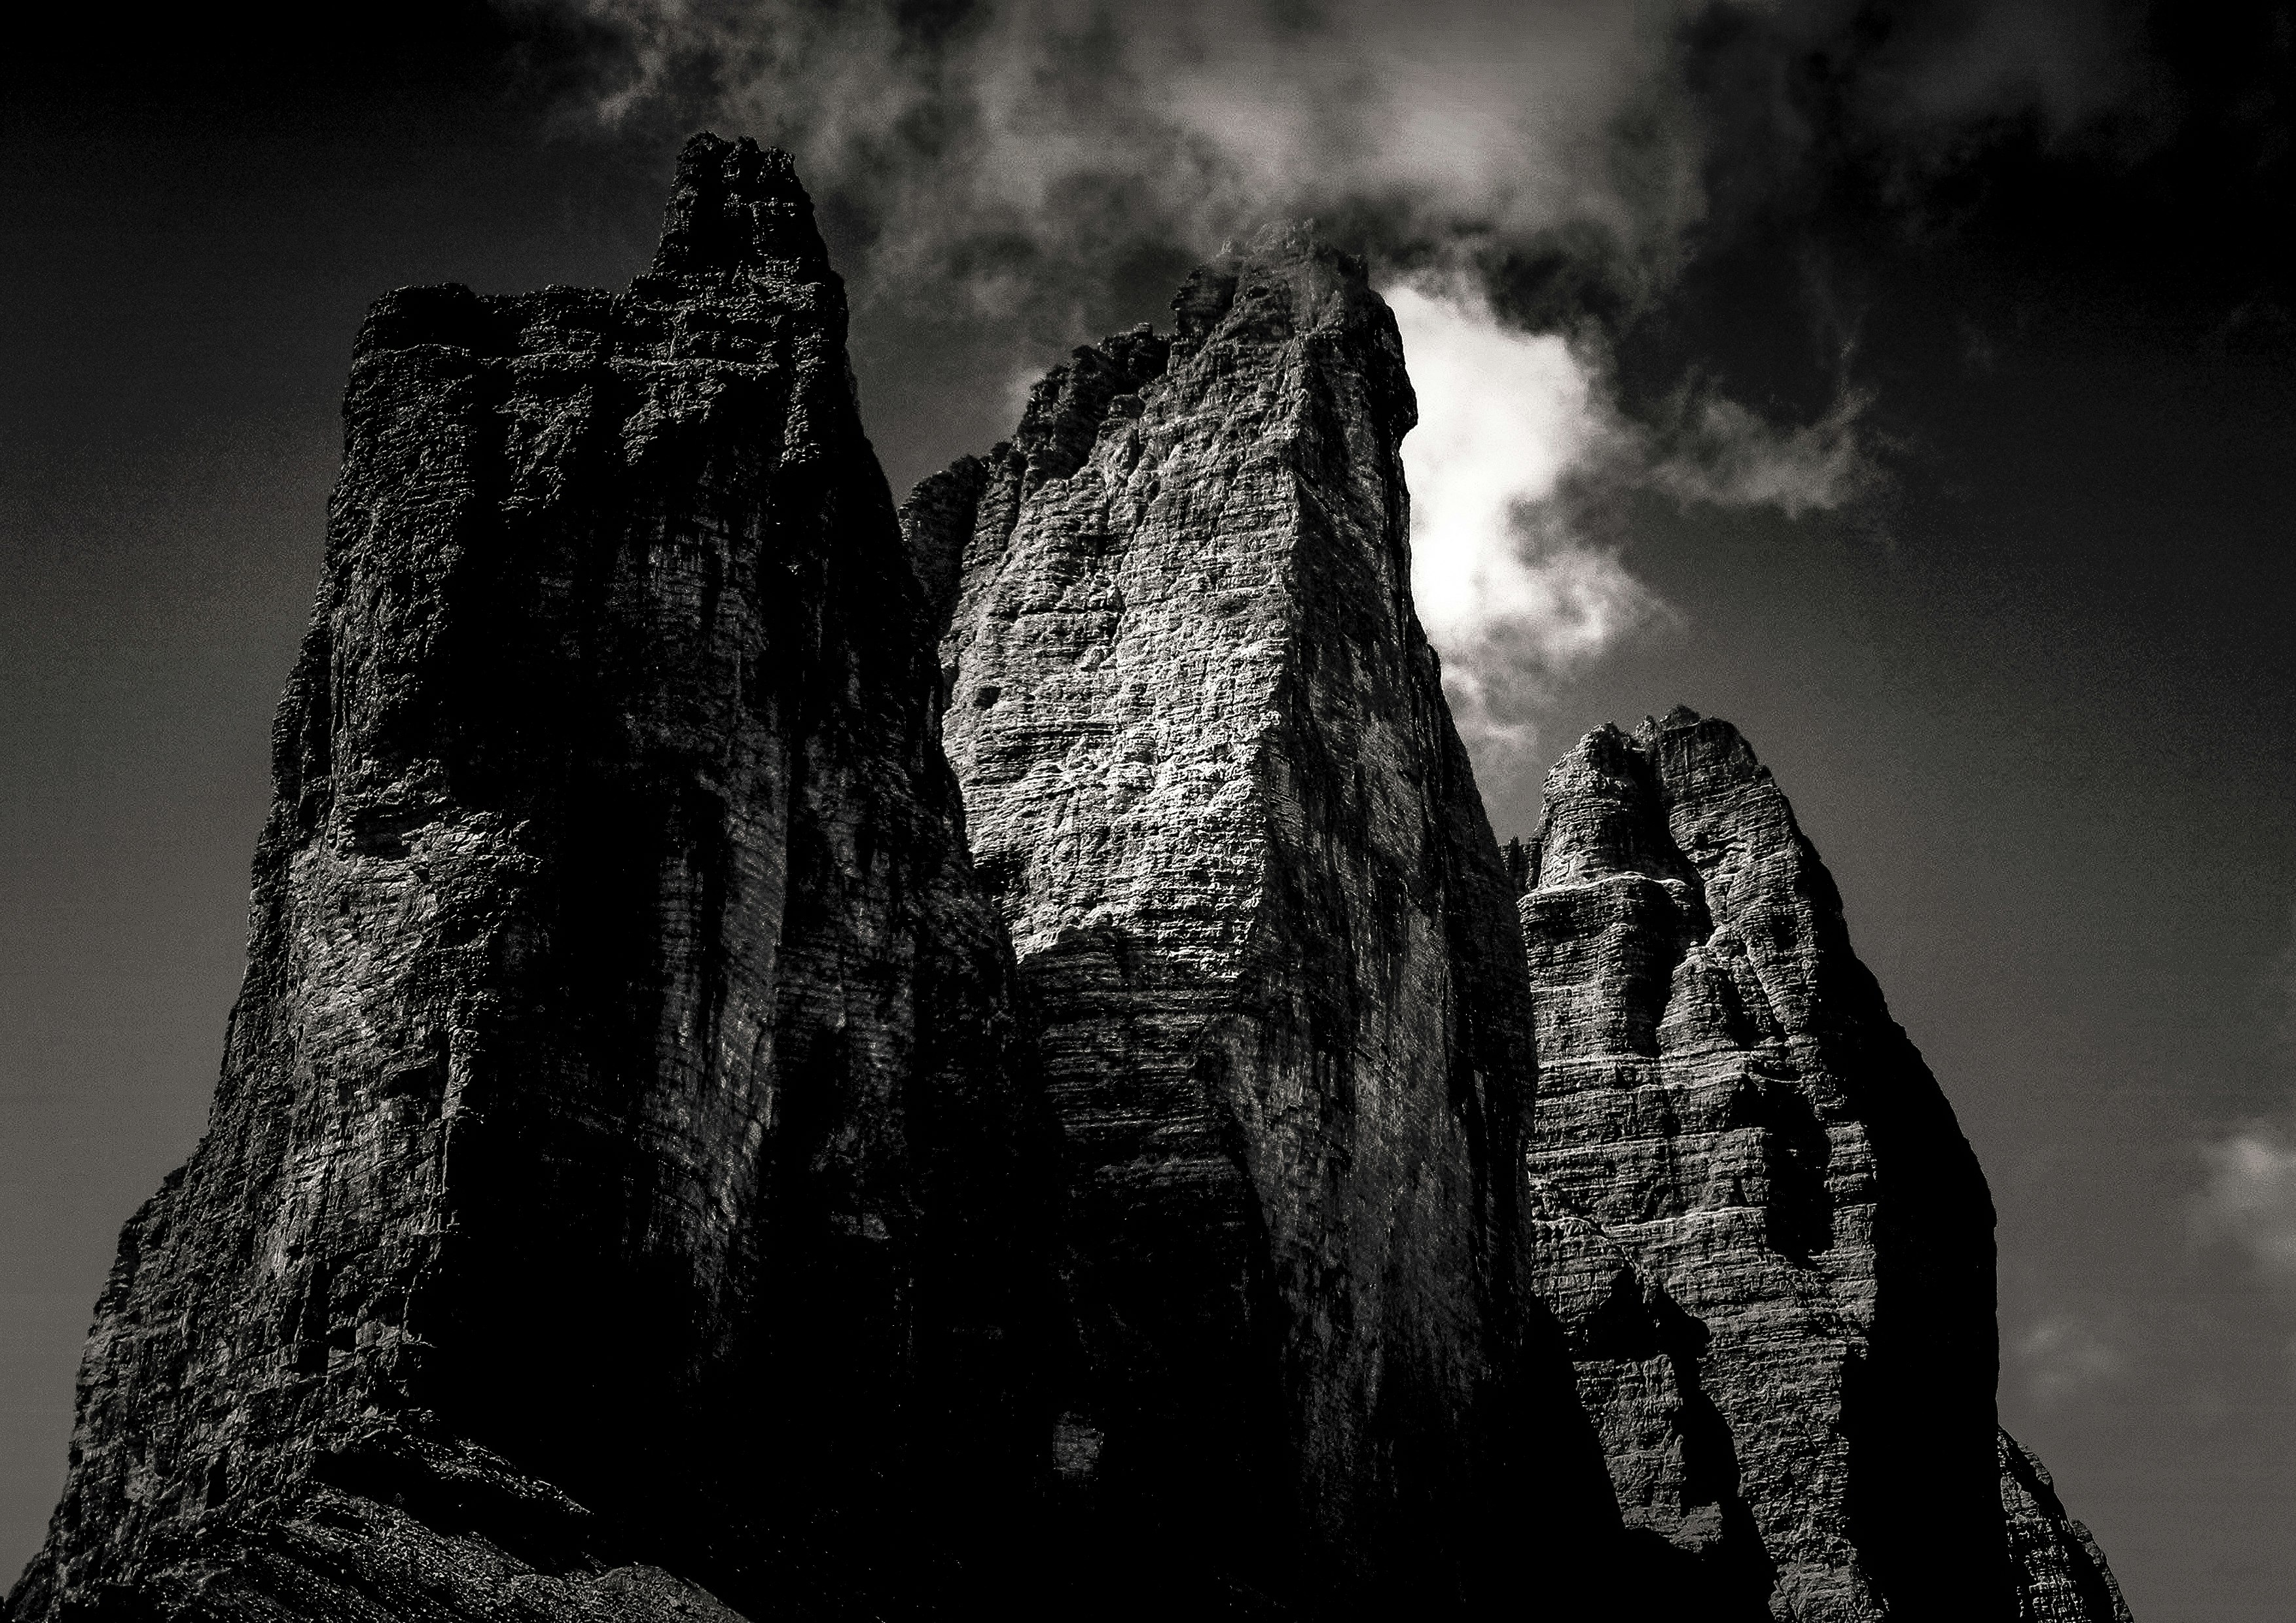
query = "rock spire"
x=1210 y=778
x=622 y=1156
x=1769 y=1244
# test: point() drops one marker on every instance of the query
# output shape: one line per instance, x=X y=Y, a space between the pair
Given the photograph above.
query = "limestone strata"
x=2062 y=1576
x=1771 y=1245
x=1209 y=775
x=620 y=1152
x=643 y=1184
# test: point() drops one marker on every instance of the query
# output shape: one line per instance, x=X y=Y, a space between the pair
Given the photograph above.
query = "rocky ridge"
x=2062 y=1574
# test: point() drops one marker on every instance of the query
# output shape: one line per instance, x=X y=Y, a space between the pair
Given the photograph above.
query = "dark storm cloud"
x=1021 y=155
x=1692 y=194
x=1579 y=155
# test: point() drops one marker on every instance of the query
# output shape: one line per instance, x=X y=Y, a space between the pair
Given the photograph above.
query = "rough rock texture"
x=2062 y=1576
x=1672 y=1465
x=1209 y=772
x=620 y=1153
x=632 y=1192
x=1770 y=1246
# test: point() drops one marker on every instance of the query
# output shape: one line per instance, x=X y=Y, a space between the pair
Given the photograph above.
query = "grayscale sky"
x=1913 y=386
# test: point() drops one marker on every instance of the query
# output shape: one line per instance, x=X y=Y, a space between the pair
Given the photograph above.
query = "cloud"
x=2251 y=1199
x=1521 y=460
x=2248 y=1198
x=1719 y=453
x=2064 y=1356
x=1021 y=154
x=1529 y=180
x=1512 y=591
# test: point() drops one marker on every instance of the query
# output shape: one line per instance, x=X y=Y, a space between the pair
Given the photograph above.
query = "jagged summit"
x=1287 y=282
x=1679 y=716
x=735 y=206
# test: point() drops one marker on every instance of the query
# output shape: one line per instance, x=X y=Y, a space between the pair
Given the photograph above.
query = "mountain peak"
x=1289 y=283
x=736 y=206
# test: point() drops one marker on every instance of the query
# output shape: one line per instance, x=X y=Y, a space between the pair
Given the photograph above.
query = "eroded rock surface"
x=621 y=1152
x=2062 y=1576
x=631 y=1190
x=1210 y=777
x=1768 y=1241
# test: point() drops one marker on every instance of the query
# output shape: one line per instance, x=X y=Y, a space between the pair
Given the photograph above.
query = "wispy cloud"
x=1017 y=159
x=1519 y=465
x=2248 y=1198
x=2064 y=1355
x=2251 y=1199
x=1717 y=451
x=1021 y=148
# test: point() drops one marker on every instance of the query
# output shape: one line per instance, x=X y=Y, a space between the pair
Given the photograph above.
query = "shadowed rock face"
x=1768 y=1243
x=620 y=1147
x=1209 y=775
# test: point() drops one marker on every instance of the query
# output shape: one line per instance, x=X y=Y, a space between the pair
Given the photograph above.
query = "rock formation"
x=659 y=1172
x=621 y=1154
x=1209 y=775
x=2062 y=1574
x=1770 y=1247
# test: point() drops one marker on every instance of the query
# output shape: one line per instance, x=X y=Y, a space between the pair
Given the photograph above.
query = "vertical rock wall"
x=1211 y=779
x=621 y=1141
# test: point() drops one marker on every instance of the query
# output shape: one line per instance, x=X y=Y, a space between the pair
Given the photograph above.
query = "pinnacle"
x=737 y=206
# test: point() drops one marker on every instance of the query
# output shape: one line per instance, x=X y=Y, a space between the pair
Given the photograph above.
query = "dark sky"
x=2024 y=663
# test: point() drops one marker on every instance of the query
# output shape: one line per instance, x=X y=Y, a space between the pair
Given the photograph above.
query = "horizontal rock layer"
x=1769 y=1244
x=1211 y=780
x=621 y=1153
